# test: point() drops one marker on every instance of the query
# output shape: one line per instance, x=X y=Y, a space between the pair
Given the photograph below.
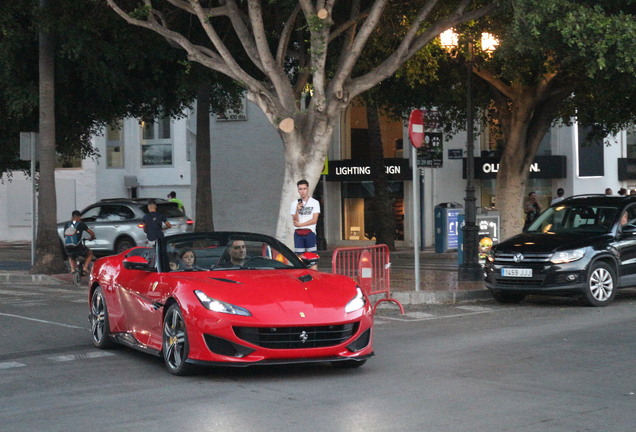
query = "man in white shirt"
x=559 y=196
x=305 y=212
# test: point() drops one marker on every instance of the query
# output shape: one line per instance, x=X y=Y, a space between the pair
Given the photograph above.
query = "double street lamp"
x=469 y=269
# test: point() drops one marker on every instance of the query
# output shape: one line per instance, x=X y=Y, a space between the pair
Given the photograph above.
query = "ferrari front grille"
x=297 y=337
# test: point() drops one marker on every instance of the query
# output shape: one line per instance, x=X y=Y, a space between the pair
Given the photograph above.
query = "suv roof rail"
x=134 y=200
x=597 y=196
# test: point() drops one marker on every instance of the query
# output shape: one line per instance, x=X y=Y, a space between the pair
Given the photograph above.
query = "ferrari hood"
x=274 y=295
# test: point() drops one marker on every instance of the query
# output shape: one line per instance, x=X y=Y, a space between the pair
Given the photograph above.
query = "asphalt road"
x=543 y=365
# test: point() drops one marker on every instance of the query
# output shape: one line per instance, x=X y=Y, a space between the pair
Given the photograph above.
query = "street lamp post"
x=469 y=269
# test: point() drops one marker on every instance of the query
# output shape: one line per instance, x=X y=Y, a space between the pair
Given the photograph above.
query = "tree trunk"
x=48 y=256
x=305 y=151
x=384 y=219
x=203 y=220
x=514 y=167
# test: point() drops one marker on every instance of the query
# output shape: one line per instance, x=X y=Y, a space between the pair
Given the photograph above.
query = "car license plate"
x=516 y=272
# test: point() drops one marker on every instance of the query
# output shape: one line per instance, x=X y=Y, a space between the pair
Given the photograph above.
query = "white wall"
x=247 y=173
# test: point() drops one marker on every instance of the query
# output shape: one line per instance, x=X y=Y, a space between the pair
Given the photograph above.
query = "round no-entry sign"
x=416 y=128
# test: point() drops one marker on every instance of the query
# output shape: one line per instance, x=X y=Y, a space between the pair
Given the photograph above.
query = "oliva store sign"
x=546 y=167
x=360 y=170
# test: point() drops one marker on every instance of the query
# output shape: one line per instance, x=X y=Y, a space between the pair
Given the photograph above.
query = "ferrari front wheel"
x=100 y=327
x=175 y=342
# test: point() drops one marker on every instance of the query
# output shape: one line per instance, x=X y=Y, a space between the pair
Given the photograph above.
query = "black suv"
x=584 y=246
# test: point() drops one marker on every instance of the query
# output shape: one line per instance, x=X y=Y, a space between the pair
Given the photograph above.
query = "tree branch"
x=285 y=37
x=413 y=42
x=271 y=67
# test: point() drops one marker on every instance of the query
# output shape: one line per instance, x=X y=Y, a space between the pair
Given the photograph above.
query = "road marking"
x=18 y=293
x=419 y=315
x=423 y=316
x=41 y=321
x=9 y=365
x=474 y=308
x=80 y=356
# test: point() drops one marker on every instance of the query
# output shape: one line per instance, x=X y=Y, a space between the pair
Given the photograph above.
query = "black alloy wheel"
x=175 y=342
x=100 y=329
x=600 y=289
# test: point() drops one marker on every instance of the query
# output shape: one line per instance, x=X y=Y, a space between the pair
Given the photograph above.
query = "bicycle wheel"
x=77 y=276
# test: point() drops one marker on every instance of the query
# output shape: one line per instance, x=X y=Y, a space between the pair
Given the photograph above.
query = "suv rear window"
x=169 y=210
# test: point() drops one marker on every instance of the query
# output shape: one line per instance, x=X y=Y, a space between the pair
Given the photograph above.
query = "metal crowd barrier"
x=370 y=266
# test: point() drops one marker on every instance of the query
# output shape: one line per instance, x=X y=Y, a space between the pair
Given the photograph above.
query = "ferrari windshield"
x=223 y=251
x=575 y=218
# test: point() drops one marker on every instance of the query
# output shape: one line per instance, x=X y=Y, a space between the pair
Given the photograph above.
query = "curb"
x=440 y=297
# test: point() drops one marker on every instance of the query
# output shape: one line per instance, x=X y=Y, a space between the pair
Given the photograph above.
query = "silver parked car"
x=118 y=223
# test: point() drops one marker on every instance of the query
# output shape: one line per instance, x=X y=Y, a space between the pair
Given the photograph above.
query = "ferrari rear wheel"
x=99 y=321
x=175 y=342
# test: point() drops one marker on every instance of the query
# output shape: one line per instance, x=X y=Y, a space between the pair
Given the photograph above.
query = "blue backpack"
x=72 y=235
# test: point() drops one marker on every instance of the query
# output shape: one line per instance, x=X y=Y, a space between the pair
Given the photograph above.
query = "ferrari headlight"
x=567 y=256
x=219 y=306
x=357 y=302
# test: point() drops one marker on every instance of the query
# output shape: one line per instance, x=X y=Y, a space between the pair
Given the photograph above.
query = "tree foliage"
x=105 y=70
x=280 y=49
x=557 y=60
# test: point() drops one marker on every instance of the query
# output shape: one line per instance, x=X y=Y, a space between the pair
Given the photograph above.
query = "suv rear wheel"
x=600 y=289
x=123 y=244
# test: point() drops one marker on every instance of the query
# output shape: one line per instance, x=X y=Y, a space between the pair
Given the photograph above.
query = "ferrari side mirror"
x=135 y=263
x=310 y=258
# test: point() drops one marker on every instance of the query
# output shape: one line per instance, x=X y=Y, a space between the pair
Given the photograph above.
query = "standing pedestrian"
x=172 y=197
x=305 y=212
x=154 y=222
x=531 y=208
x=559 y=197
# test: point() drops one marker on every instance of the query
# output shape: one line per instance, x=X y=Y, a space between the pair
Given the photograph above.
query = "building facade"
x=150 y=159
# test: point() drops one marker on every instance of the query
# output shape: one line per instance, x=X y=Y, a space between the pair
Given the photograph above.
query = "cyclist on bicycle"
x=74 y=233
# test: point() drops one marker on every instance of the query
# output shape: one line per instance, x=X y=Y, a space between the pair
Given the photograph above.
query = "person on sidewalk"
x=560 y=196
x=531 y=208
x=172 y=197
x=154 y=222
x=305 y=212
x=74 y=241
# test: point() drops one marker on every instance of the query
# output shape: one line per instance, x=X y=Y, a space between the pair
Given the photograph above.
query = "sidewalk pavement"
x=439 y=282
x=438 y=275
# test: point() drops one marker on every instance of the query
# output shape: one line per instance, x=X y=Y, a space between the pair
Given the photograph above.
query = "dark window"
x=169 y=210
x=591 y=155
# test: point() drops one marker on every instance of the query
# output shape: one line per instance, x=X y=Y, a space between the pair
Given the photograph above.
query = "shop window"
x=360 y=222
x=115 y=145
x=68 y=162
x=355 y=140
x=631 y=141
x=590 y=153
x=156 y=142
x=191 y=134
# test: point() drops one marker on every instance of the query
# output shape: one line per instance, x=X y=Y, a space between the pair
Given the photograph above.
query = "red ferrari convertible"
x=231 y=299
